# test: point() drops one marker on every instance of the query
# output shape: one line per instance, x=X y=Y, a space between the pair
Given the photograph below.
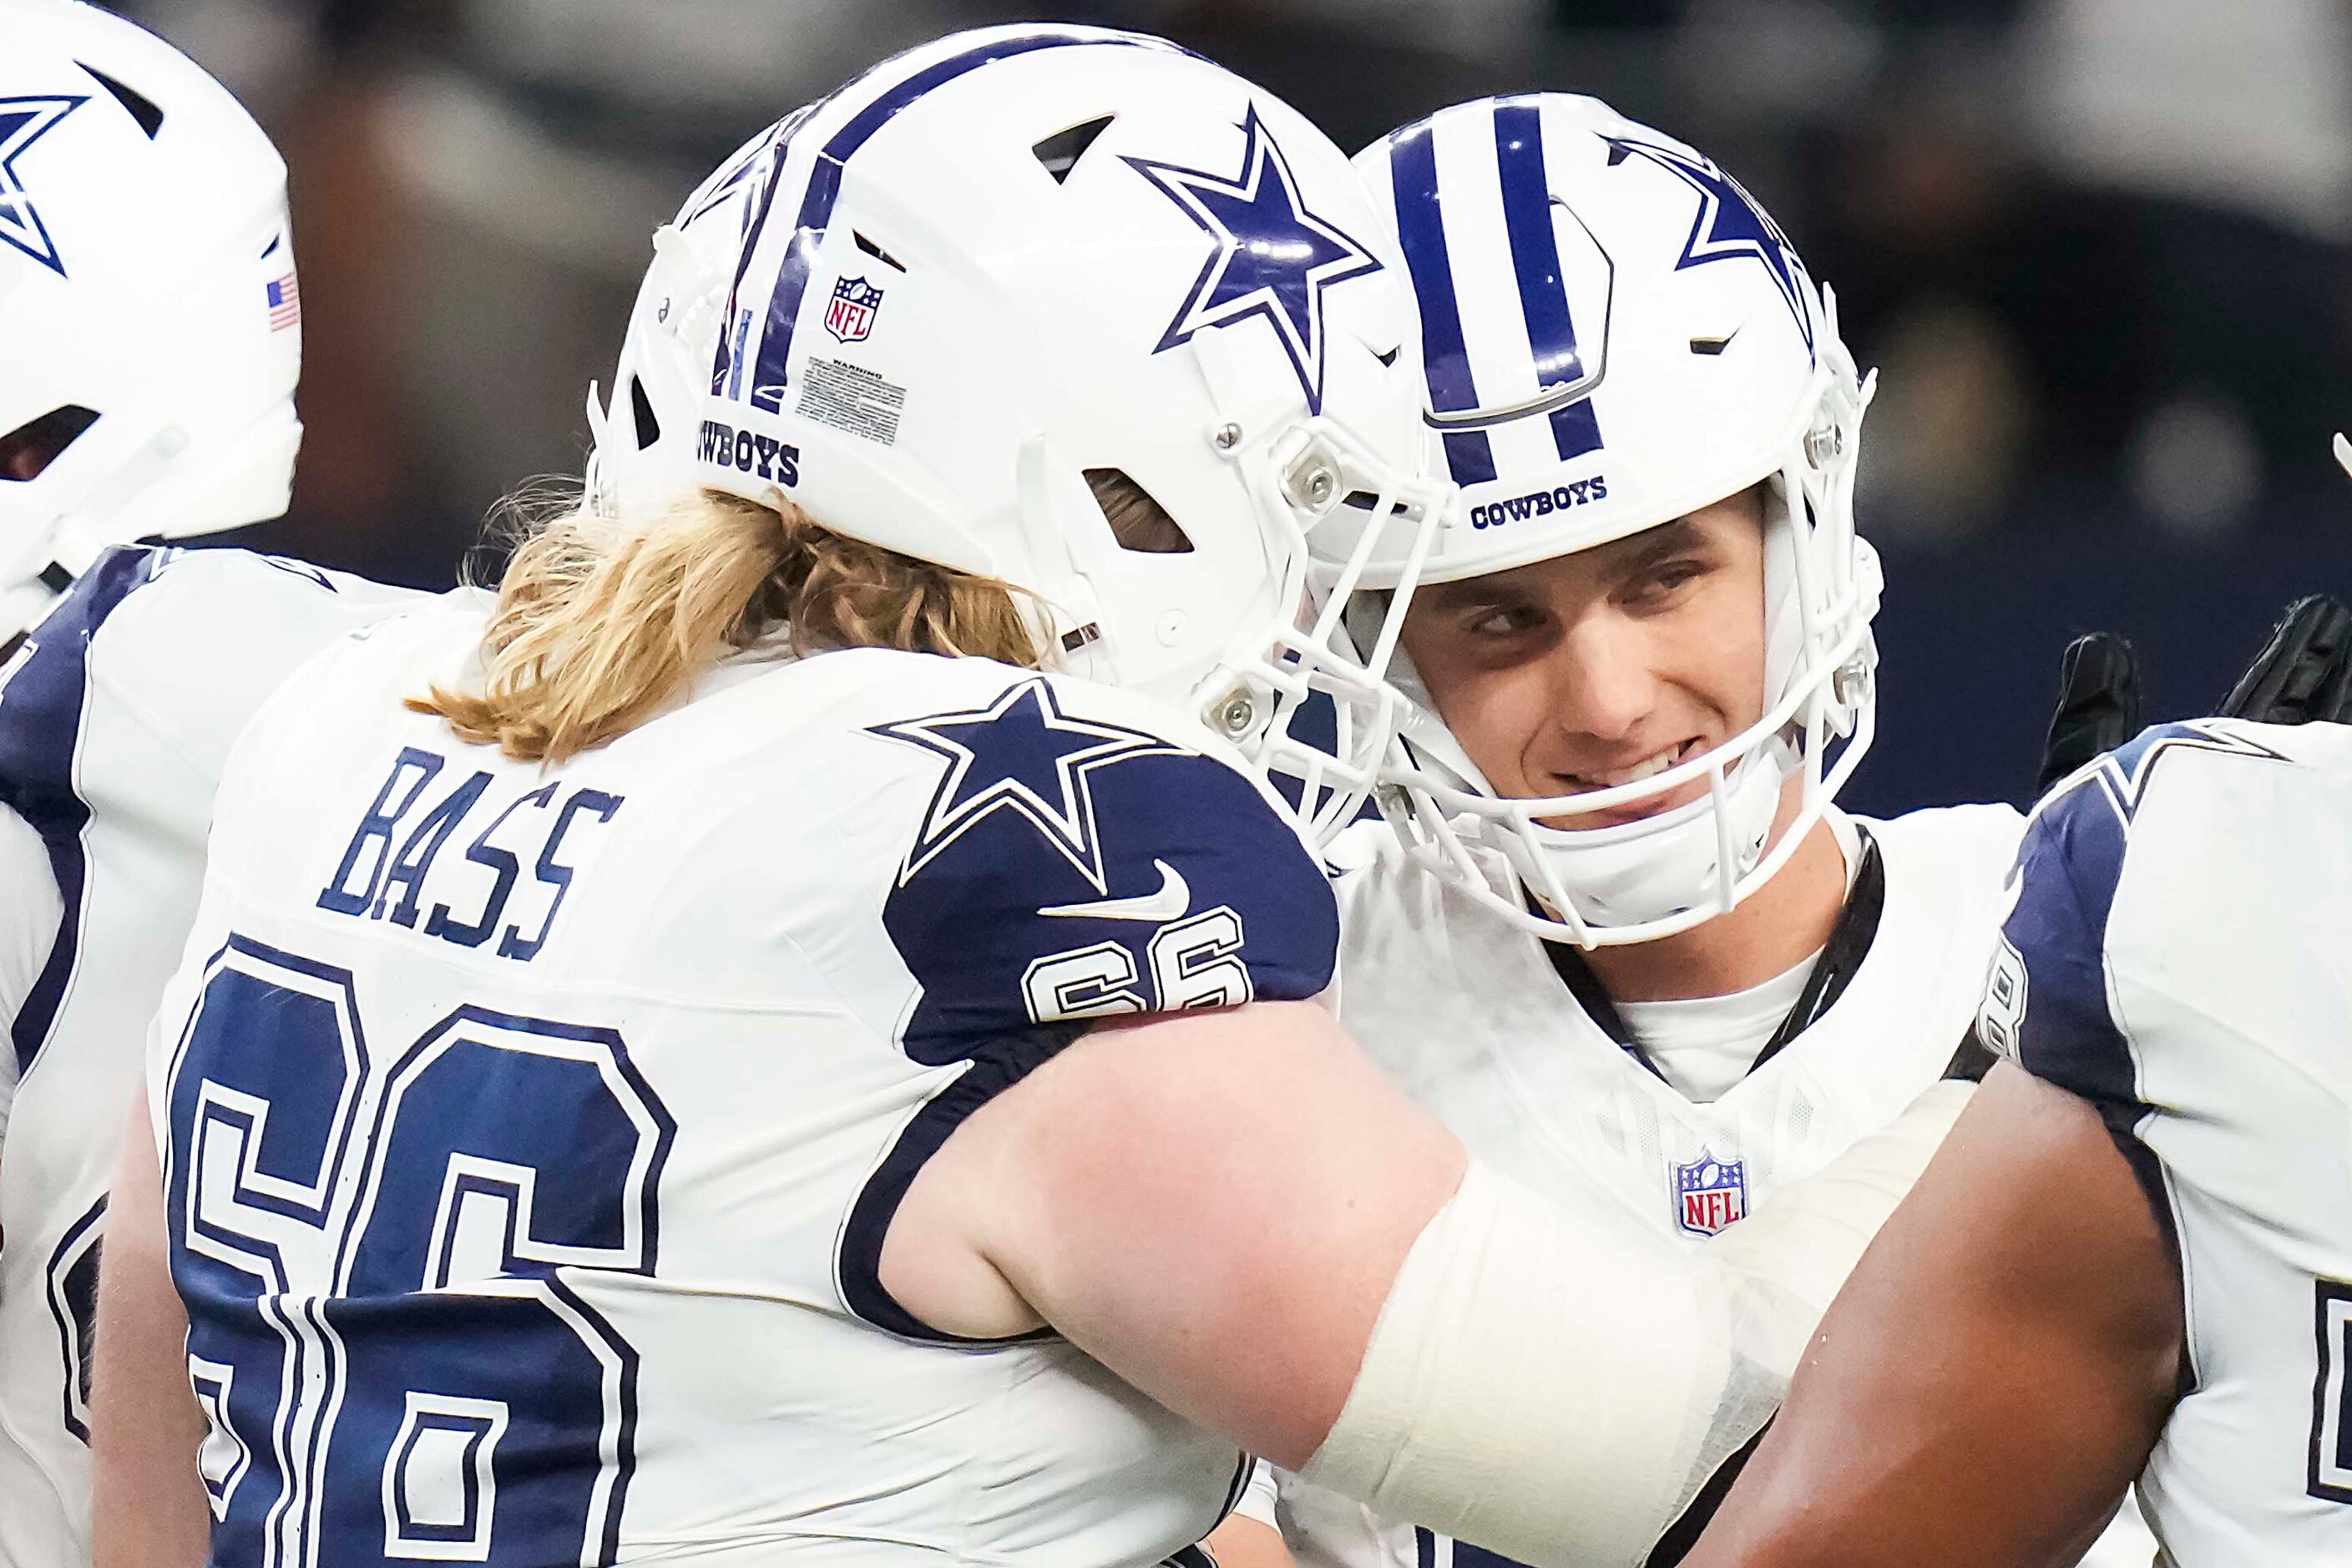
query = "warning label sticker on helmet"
x=852 y=398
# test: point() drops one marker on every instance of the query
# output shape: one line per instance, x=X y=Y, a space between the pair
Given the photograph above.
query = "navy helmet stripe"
x=1469 y=456
x=731 y=327
x=40 y=732
x=1445 y=358
x=1535 y=256
x=825 y=182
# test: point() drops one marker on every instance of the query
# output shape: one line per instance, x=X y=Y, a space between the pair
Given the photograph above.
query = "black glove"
x=2098 y=705
x=2304 y=674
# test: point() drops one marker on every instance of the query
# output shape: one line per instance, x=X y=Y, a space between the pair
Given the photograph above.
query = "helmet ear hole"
x=641 y=410
x=35 y=444
x=1060 y=152
x=138 y=105
x=1139 y=522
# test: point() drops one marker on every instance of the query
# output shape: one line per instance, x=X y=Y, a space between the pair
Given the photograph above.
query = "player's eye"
x=1660 y=582
x=1504 y=620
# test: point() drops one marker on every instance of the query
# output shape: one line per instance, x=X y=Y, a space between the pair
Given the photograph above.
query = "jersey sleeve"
x=30 y=910
x=1071 y=866
x=43 y=698
x=2046 y=1003
x=1073 y=855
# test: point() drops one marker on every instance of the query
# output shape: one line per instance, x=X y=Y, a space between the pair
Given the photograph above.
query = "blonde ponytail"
x=597 y=627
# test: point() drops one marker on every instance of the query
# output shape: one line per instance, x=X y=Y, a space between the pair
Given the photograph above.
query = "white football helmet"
x=1614 y=334
x=147 y=302
x=925 y=307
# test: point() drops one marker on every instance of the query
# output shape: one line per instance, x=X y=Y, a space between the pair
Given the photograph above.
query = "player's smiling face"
x=1607 y=667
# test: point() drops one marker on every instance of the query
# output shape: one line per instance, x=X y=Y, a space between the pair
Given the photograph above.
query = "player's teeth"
x=1638 y=771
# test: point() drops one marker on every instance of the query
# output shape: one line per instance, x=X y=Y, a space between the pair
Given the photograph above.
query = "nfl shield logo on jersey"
x=849 y=316
x=1710 y=1194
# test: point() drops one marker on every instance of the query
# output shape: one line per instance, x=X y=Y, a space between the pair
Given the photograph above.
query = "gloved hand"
x=2303 y=673
x=2098 y=705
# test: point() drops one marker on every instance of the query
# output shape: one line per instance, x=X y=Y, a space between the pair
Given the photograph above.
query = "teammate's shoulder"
x=2049 y=998
x=2196 y=773
x=1077 y=851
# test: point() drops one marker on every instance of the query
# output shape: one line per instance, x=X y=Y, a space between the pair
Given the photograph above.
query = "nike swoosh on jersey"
x=1171 y=902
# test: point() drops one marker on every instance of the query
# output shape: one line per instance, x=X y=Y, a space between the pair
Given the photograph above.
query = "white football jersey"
x=115 y=716
x=2177 y=955
x=1470 y=1015
x=531 y=1132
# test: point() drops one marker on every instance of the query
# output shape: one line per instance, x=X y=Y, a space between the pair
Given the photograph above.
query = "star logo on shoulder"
x=1020 y=753
x=1730 y=223
x=22 y=122
x=1273 y=257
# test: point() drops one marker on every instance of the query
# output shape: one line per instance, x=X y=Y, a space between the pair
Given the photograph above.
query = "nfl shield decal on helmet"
x=1710 y=1194
x=849 y=315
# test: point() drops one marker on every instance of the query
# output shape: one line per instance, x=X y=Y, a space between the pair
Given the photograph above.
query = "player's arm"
x=2001 y=1364
x=1246 y=1543
x=1251 y=1537
x=1239 y=1215
x=1995 y=1372
x=148 y=1504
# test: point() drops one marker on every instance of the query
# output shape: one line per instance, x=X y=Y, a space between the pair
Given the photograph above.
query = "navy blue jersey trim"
x=1445 y=356
x=1535 y=257
x=40 y=731
x=77 y=1320
x=2071 y=860
x=996 y=1065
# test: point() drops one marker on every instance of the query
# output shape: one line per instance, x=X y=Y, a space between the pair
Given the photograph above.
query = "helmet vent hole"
x=1709 y=347
x=35 y=445
x=1060 y=152
x=641 y=407
x=139 y=105
x=876 y=251
x=1387 y=359
x=1139 y=522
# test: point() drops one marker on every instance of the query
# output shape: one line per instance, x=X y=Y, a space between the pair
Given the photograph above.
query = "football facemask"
x=1613 y=335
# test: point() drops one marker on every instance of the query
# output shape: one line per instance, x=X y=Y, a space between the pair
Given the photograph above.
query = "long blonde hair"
x=597 y=626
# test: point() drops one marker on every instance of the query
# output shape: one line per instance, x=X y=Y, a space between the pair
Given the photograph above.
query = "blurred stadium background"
x=2098 y=249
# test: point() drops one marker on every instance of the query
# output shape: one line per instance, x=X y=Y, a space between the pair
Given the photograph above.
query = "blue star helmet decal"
x=22 y=122
x=1020 y=753
x=1273 y=257
x=1730 y=223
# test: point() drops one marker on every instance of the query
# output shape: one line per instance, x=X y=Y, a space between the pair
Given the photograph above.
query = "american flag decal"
x=285 y=303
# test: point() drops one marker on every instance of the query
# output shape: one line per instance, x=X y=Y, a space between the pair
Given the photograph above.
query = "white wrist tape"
x=1557 y=1389
x=1792 y=1254
x=1540 y=1383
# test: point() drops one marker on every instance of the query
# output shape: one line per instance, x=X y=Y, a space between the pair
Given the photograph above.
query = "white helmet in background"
x=1614 y=334
x=147 y=302
x=926 y=307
